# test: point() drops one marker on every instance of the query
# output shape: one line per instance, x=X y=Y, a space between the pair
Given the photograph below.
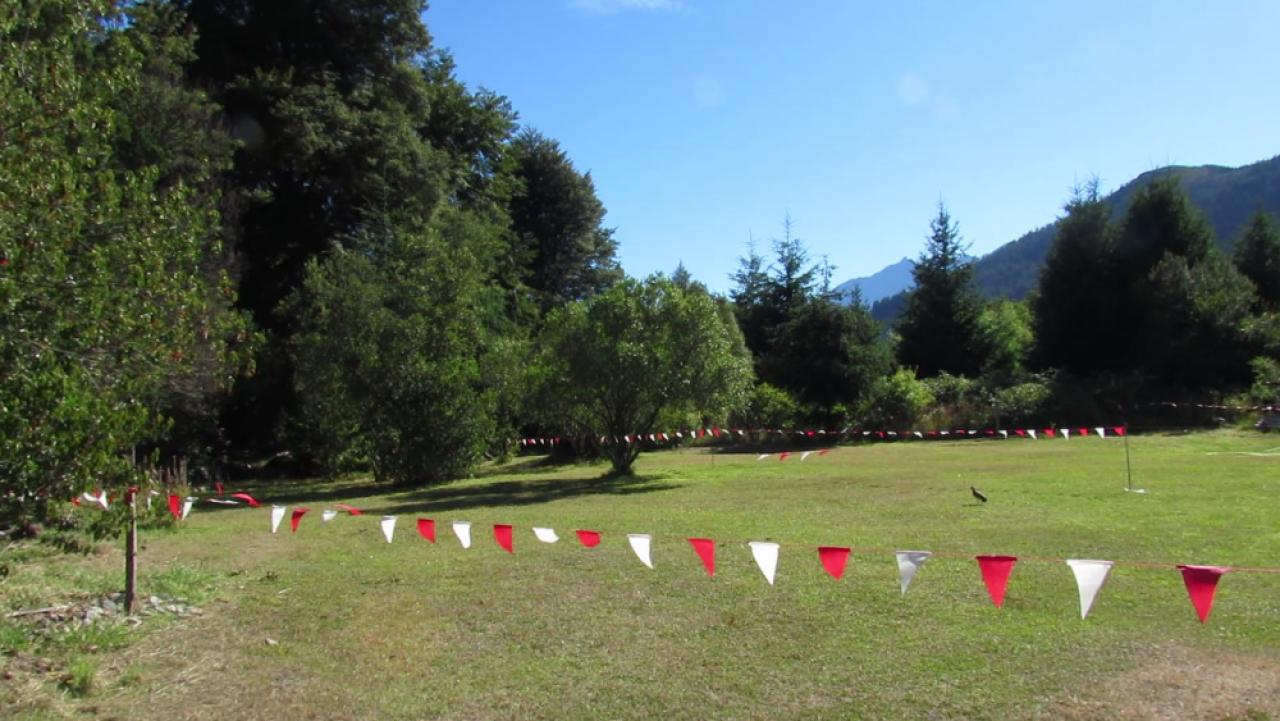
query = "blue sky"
x=704 y=122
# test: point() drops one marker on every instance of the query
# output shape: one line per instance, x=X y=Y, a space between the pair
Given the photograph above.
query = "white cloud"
x=609 y=7
x=913 y=91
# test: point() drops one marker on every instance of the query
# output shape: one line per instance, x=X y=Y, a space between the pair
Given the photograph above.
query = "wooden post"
x=131 y=554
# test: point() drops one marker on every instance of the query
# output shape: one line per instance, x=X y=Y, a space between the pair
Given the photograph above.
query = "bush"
x=1022 y=404
x=897 y=401
x=767 y=407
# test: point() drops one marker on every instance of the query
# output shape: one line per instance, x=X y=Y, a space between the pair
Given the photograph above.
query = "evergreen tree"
x=1257 y=255
x=939 y=328
x=1075 y=321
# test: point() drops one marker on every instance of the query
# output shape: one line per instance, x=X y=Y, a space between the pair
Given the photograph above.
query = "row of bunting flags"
x=1090 y=575
x=848 y=433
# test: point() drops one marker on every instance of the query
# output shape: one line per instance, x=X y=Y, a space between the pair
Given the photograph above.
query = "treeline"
x=229 y=230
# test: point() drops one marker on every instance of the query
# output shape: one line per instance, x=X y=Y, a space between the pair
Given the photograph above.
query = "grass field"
x=335 y=623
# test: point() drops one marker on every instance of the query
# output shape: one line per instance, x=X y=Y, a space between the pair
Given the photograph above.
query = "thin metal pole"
x=131 y=555
x=1128 y=467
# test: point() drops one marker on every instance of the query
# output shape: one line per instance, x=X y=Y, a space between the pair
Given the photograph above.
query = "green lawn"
x=358 y=628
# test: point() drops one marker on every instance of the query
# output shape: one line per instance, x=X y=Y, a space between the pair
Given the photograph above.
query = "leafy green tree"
x=829 y=355
x=1257 y=255
x=392 y=353
x=558 y=220
x=1075 y=310
x=1006 y=328
x=104 y=282
x=939 y=327
x=617 y=362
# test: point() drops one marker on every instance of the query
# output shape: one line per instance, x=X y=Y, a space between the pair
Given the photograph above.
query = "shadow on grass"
x=520 y=493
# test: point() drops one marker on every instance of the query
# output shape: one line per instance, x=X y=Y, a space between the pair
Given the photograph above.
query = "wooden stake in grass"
x=131 y=553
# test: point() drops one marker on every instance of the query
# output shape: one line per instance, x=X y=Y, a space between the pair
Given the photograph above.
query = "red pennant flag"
x=350 y=509
x=1049 y=433
x=783 y=455
x=1084 y=432
x=824 y=451
x=706 y=550
x=217 y=488
x=1202 y=583
x=296 y=517
x=502 y=534
x=833 y=559
x=175 y=505
x=590 y=539
x=995 y=573
x=1119 y=430
x=247 y=499
x=427 y=529
x=1021 y=432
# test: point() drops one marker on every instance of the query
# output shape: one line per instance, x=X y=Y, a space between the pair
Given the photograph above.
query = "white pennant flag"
x=1066 y=434
x=805 y=455
x=762 y=456
x=546 y=535
x=1031 y=433
x=1004 y=434
x=1102 y=432
x=462 y=529
x=640 y=544
x=328 y=514
x=1090 y=575
x=277 y=515
x=908 y=563
x=917 y=434
x=151 y=495
x=766 y=555
x=388 y=527
x=186 y=506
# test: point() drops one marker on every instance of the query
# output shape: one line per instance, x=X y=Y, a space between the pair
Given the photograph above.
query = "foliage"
x=557 y=220
x=1266 y=380
x=939 y=327
x=1075 y=314
x=1021 y=404
x=1257 y=255
x=390 y=352
x=897 y=401
x=106 y=273
x=1006 y=334
x=767 y=406
x=616 y=362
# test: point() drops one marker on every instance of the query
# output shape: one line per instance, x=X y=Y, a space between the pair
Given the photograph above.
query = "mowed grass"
x=333 y=622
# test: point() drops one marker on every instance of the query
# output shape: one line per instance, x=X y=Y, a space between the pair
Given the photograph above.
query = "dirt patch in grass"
x=1172 y=682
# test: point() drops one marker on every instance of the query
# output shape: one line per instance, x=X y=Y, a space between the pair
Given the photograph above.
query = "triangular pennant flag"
x=1119 y=430
x=590 y=539
x=833 y=559
x=762 y=456
x=995 y=573
x=1003 y=434
x=917 y=434
x=766 y=555
x=1082 y=432
x=1102 y=432
x=175 y=505
x=1090 y=575
x=1031 y=433
x=1049 y=433
x=388 y=524
x=1021 y=433
x=217 y=488
x=502 y=534
x=805 y=455
x=640 y=545
x=296 y=517
x=187 y=503
x=1066 y=434
x=824 y=451
x=253 y=502
x=546 y=535
x=1202 y=583
x=350 y=509
x=427 y=529
x=327 y=515
x=277 y=515
x=462 y=529
x=706 y=550
x=908 y=563
x=783 y=455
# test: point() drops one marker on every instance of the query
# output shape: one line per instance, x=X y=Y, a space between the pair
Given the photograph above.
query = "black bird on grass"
x=978 y=494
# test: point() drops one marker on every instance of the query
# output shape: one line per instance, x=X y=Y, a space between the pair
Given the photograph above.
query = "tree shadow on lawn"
x=521 y=493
